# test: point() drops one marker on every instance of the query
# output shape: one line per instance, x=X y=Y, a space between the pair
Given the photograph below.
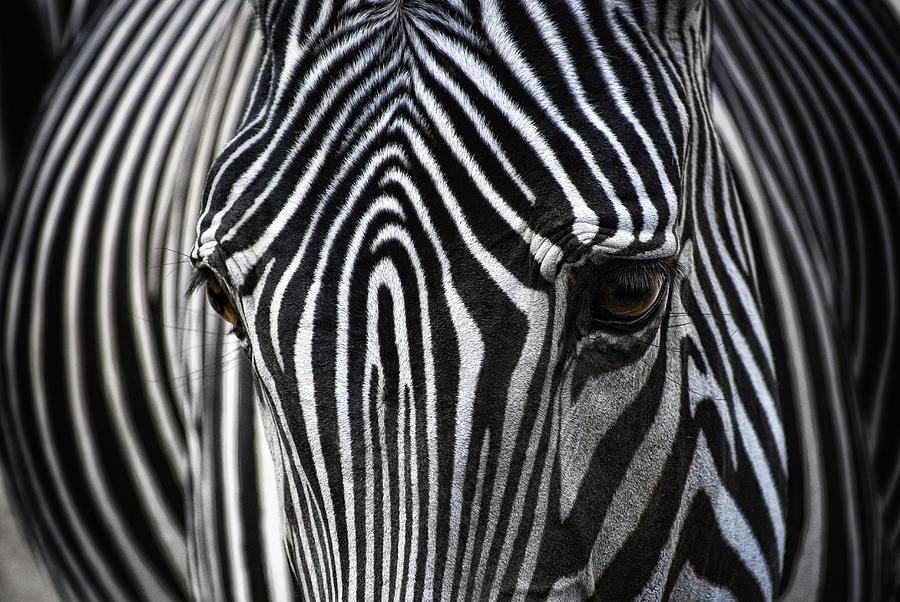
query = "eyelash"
x=200 y=279
x=637 y=275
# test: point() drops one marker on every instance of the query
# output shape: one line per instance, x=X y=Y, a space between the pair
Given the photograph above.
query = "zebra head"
x=500 y=298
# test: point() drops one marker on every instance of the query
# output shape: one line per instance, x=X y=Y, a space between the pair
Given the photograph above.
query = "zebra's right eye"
x=221 y=301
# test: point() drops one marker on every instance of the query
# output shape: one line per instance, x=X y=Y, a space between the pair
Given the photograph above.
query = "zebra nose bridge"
x=218 y=189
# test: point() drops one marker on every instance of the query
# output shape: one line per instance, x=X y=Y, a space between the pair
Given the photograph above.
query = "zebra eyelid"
x=640 y=273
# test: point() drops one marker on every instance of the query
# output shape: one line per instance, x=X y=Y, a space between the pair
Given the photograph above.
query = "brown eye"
x=220 y=301
x=620 y=295
x=625 y=301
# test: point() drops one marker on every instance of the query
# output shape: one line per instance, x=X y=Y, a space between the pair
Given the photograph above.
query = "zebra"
x=523 y=300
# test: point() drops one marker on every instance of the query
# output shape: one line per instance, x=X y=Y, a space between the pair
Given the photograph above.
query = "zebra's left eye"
x=621 y=295
x=626 y=302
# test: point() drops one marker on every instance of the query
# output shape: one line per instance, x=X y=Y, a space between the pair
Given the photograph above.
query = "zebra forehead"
x=572 y=133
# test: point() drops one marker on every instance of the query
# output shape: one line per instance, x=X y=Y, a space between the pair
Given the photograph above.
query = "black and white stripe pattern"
x=405 y=219
x=108 y=371
x=34 y=37
x=416 y=210
x=809 y=97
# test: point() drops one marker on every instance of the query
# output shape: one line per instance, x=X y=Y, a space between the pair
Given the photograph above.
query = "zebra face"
x=499 y=296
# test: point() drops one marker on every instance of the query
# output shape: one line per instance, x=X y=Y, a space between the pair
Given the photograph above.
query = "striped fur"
x=416 y=210
x=411 y=212
x=821 y=151
x=108 y=380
